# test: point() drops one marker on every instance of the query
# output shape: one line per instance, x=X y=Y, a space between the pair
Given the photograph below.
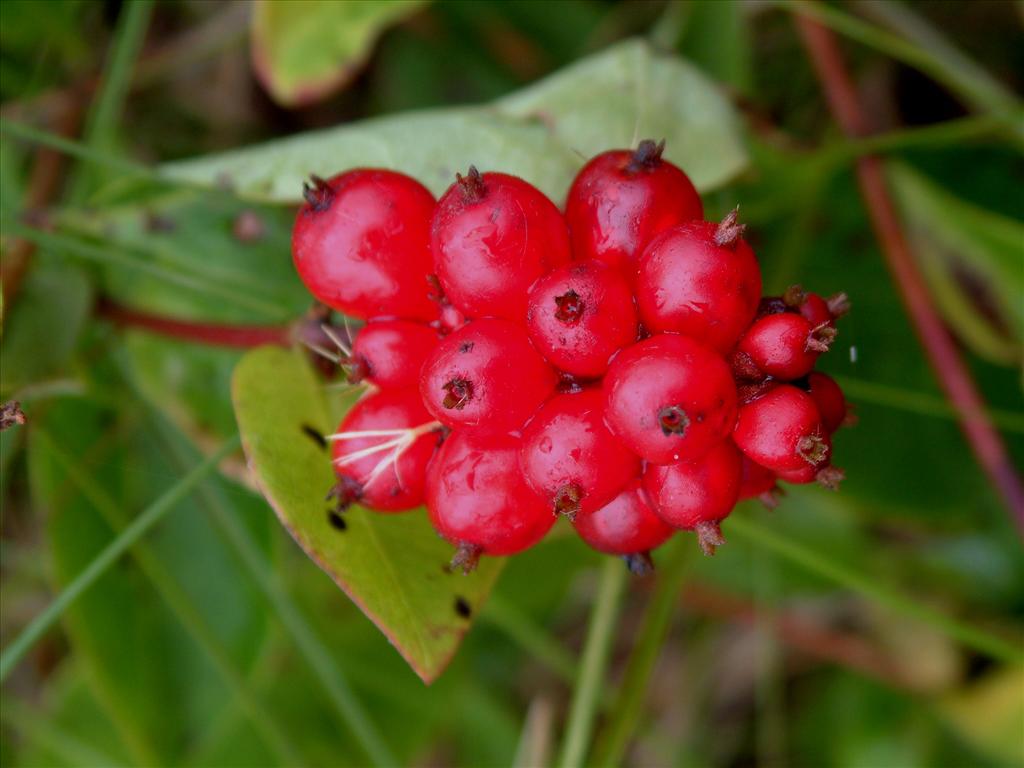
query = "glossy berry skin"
x=361 y=244
x=571 y=459
x=778 y=346
x=815 y=310
x=829 y=398
x=492 y=236
x=390 y=353
x=477 y=496
x=580 y=315
x=694 y=281
x=393 y=479
x=781 y=430
x=688 y=493
x=626 y=525
x=669 y=398
x=755 y=480
x=487 y=376
x=622 y=199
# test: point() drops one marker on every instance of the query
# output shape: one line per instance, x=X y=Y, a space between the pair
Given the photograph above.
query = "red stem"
x=238 y=336
x=942 y=352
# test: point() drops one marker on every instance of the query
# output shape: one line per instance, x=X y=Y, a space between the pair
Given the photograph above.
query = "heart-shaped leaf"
x=543 y=133
x=304 y=49
x=392 y=566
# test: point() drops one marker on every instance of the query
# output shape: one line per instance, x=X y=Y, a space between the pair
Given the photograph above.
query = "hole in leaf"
x=336 y=520
x=462 y=607
x=314 y=434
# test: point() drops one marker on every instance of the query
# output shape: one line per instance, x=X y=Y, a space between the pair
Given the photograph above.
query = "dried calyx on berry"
x=646 y=156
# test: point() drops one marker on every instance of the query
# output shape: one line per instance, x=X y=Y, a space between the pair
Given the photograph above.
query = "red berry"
x=626 y=525
x=477 y=497
x=814 y=308
x=622 y=199
x=361 y=244
x=390 y=353
x=492 y=236
x=784 y=346
x=669 y=398
x=696 y=495
x=486 y=375
x=758 y=482
x=782 y=430
x=570 y=457
x=699 y=279
x=829 y=398
x=580 y=315
x=386 y=469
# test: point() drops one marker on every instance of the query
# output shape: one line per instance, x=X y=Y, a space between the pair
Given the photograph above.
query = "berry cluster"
x=615 y=364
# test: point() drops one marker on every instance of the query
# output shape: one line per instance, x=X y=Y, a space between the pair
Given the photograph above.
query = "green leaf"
x=971 y=260
x=392 y=566
x=543 y=133
x=41 y=329
x=155 y=682
x=303 y=50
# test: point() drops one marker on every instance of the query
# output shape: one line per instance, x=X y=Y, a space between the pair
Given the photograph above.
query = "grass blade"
x=141 y=525
x=595 y=658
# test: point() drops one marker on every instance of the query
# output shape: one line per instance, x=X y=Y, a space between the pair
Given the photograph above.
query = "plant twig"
x=592 y=667
x=238 y=336
x=953 y=375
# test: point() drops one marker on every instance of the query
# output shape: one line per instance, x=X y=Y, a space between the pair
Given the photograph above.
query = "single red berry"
x=784 y=346
x=697 y=495
x=757 y=482
x=622 y=199
x=580 y=315
x=817 y=310
x=699 y=279
x=492 y=236
x=361 y=244
x=782 y=430
x=478 y=500
x=669 y=398
x=390 y=353
x=829 y=398
x=486 y=375
x=381 y=451
x=626 y=525
x=570 y=457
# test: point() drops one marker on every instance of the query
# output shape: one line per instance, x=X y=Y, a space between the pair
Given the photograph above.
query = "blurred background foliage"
x=847 y=629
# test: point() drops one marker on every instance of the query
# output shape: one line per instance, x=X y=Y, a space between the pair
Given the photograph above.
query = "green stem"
x=141 y=525
x=100 y=255
x=977 y=91
x=596 y=651
x=181 y=604
x=628 y=707
x=530 y=637
x=341 y=696
x=919 y=402
x=51 y=737
x=790 y=549
x=76 y=149
x=105 y=112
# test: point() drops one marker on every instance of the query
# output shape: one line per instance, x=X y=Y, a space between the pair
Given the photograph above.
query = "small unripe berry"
x=492 y=236
x=622 y=199
x=486 y=375
x=669 y=398
x=361 y=244
x=580 y=315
